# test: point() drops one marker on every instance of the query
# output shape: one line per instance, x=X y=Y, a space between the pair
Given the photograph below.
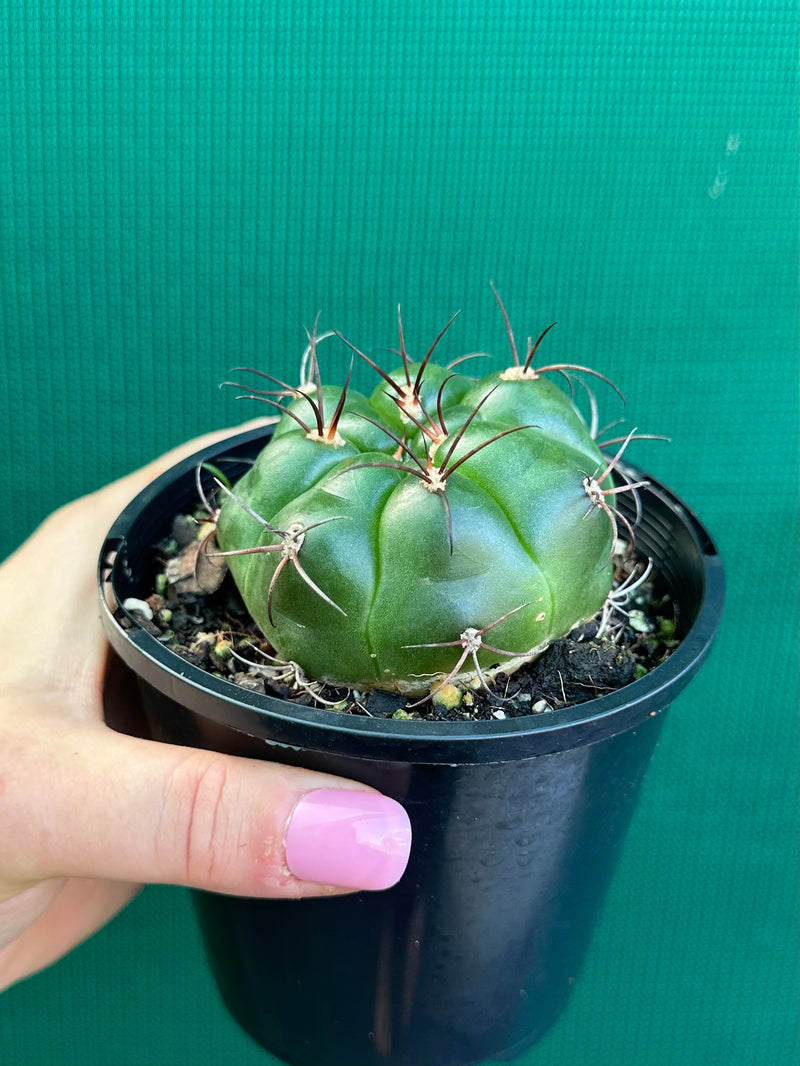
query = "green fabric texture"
x=183 y=186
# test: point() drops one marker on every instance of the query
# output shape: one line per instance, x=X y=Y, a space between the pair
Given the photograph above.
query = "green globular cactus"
x=443 y=528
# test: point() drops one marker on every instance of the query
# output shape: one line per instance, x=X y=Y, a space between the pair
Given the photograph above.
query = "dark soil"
x=205 y=622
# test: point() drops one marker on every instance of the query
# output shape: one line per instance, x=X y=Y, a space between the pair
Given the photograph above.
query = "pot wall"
x=475 y=951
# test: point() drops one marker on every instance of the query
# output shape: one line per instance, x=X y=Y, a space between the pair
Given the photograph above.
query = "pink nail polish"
x=348 y=838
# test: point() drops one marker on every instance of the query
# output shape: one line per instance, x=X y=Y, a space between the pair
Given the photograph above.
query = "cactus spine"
x=441 y=528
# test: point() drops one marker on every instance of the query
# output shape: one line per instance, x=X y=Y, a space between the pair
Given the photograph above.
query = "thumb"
x=126 y=809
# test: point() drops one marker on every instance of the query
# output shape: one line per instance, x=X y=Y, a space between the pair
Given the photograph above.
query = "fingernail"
x=348 y=838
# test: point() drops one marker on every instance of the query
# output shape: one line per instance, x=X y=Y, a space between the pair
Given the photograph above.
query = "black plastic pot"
x=517 y=827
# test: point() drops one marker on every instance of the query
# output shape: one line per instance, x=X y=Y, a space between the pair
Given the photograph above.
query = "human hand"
x=88 y=814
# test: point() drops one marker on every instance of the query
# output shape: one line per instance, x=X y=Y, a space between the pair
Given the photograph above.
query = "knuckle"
x=199 y=804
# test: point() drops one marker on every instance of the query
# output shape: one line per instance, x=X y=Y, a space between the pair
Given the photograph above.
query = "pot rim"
x=291 y=725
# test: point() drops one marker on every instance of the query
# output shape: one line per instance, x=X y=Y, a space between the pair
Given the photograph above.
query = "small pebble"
x=138 y=607
x=184 y=530
x=638 y=621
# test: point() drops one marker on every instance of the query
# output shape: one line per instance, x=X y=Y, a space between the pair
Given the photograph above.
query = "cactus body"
x=359 y=561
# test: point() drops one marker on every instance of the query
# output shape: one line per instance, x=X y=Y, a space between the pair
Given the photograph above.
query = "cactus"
x=442 y=529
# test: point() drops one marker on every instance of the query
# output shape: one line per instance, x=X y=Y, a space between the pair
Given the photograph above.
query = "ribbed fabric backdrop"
x=184 y=184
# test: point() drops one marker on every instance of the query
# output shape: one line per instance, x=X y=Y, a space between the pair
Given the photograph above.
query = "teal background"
x=184 y=185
